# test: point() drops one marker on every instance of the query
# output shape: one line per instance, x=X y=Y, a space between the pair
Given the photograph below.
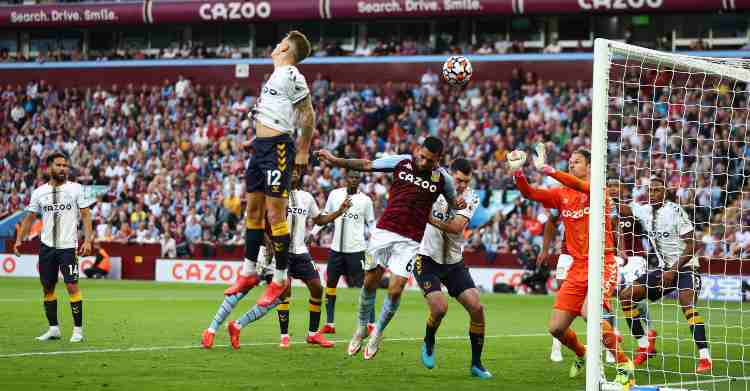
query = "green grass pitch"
x=145 y=336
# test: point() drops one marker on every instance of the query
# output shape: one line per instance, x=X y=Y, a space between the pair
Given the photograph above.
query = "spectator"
x=168 y=245
x=101 y=266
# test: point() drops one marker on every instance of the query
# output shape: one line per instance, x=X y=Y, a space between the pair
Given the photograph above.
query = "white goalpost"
x=683 y=120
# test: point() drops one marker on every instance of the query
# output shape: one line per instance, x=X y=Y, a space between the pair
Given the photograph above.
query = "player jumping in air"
x=417 y=182
x=572 y=201
x=60 y=202
x=670 y=232
x=283 y=106
x=440 y=262
x=302 y=206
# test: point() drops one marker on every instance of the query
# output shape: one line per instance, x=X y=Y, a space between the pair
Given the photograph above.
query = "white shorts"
x=631 y=271
x=391 y=251
x=564 y=262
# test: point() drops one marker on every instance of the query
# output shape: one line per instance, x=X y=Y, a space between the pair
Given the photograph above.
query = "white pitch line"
x=126 y=299
x=707 y=381
x=185 y=347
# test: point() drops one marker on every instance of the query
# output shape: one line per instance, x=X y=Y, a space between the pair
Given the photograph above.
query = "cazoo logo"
x=296 y=211
x=419 y=182
x=575 y=214
x=619 y=4
x=235 y=10
x=57 y=207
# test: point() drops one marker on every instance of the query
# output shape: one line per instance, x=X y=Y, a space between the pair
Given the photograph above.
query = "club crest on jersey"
x=435 y=176
x=408 y=166
x=417 y=181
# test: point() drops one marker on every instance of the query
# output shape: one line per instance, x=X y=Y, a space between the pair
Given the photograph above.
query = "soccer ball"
x=457 y=70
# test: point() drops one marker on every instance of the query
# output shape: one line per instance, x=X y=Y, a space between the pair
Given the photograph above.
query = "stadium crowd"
x=167 y=161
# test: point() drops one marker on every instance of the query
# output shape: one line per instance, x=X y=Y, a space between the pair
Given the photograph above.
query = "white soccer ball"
x=457 y=70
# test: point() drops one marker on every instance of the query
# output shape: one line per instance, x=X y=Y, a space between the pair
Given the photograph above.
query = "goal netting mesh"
x=683 y=119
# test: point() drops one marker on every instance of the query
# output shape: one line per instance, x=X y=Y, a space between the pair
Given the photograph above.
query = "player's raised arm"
x=384 y=164
x=570 y=181
x=516 y=160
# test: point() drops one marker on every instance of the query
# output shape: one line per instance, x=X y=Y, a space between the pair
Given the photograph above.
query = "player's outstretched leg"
x=366 y=309
x=277 y=209
x=438 y=306
x=254 y=235
x=226 y=308
x=555 y=354
x=50 y=311
x=254 y=314
x=470 y=300
x=390 y=307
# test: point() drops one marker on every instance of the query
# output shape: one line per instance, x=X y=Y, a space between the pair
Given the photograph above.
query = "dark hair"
x=462 y=165
x=585 y=153
x=434 y=145
x=54 y=155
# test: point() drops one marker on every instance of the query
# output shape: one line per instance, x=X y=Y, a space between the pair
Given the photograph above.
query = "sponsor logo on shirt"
x=417 y=181
x=297 y=211
x=576 y=214
x=57 y=207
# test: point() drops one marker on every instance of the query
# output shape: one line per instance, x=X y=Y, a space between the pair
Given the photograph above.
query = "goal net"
x=678 y=123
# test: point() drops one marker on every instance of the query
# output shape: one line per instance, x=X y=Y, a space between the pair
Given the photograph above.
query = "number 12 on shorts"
x=273 y=177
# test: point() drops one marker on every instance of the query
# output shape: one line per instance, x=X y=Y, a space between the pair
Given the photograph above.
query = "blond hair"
x=301 y=45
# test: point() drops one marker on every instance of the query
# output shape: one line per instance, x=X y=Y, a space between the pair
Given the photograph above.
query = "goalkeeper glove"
x=516 y=160
x=540 y=160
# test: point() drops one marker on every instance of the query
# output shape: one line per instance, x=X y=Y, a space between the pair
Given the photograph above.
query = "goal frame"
x=604 y=51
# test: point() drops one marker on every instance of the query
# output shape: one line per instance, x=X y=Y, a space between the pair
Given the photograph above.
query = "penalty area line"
x=186 y=347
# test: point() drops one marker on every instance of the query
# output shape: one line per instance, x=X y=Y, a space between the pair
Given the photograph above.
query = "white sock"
x=311 y=333
x=331 y=324
x=212 y=331
x=54 y=328
x=284 y=335
x=643 y=342
x=77 y=330
x=248 y=267
x=279 y=276
x=556 y=344
x=704 y=353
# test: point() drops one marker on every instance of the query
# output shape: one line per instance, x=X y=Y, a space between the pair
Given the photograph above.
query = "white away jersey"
x=285 y=88
x=664 y=230
x=302 y=206
x=441 y=246
x=59 y=207
x=352 y=222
